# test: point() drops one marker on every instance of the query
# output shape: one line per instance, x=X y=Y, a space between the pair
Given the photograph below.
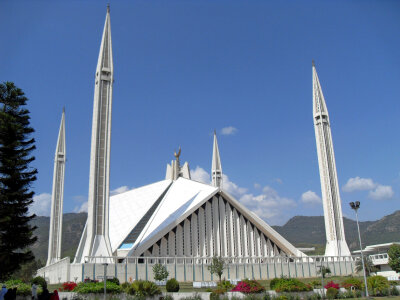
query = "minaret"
x=97 y=238
x=216 y=168
x=57 y=195
x=335 y=240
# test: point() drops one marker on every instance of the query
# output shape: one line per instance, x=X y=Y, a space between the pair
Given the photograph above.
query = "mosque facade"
x=177 y=220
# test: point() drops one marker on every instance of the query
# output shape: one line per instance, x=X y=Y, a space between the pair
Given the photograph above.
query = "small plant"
x=274 y=282
x=144 y=288
x=68 y=286
x=172 y=285
x=217 y=266
x=324 y=271
x=394 y=291
x=378 y=285
x=114 y=280
x=97 y=288
x=39 y=281
x=331 y=284
x=290 y=285
x=216 y=294
x=160 y=272
x=23 y=289
x=315 y=283
x=125 y=286
x=352 y=282
x=331 y=293
x=248 y=286
x=225 y=285
x=394 y=257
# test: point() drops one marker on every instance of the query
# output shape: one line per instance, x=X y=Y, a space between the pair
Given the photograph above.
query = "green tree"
x=16 y=177
x=323 y=271
x=160 y=272
x=217 y=266
x=394 y=257
x=369 y=266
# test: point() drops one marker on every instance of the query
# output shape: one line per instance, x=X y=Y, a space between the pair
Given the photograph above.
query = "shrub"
x=378 y=285
x=332 y=292
x=172 y=285
x=315 y=283
x=273 y=283
x=331 y=284
x=114 y=280
x=394 y=291
x=225 y=285
x=68 y=286
x=144 y=288
x=97 y=288
x=38 y=280
x=168 y=297
x=160 y=272
x=125 y=286
x=215 y=295
x=352 y=282
x=23 y=289
x=291 y=285
x=248 y=287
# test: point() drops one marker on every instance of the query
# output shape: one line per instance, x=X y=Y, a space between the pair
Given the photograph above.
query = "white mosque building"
x=178 y=221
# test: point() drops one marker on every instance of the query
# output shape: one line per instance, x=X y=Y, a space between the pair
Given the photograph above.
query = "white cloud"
x=269 y=205
x=382 y=192
x=82 y=208
x=359 y=184
x=310 y=197
x=41 y=205
x=201 y=175
x=376 y=191
x=231 y=187
x=119 y=190
x=230 y=130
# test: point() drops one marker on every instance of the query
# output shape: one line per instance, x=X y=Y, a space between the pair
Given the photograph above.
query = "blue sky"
x=185 y=68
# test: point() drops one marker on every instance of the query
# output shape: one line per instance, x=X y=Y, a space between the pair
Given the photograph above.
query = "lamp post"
x=105 y=280
x=355 y=206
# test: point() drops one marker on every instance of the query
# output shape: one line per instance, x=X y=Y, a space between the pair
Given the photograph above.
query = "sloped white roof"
x=126 y=209
x=183 y=196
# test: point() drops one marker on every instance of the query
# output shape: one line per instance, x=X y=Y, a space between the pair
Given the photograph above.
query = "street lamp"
x=355 y=206
x=105 y=279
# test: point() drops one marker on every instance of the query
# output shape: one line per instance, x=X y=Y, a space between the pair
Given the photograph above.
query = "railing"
x=379 y=259
x=127 y=269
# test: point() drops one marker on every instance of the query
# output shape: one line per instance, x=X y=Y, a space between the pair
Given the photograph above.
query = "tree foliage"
x=369 y=266
x=394 y=257
x=217 y=266
x=160 y=272
x=16 y=177
x=324 y=271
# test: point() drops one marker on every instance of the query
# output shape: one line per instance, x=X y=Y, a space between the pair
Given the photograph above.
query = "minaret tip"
x=215 y=132
x=108 y=7
x=313 y=63
x=63 y=109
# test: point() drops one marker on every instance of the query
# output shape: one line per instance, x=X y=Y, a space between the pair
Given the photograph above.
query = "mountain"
x=301 y=231
x=72 y=228
x=305 y=231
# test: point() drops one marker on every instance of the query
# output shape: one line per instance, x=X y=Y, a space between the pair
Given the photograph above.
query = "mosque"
x=178 y=221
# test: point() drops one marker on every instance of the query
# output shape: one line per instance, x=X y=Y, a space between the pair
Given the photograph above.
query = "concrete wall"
x=188 y=269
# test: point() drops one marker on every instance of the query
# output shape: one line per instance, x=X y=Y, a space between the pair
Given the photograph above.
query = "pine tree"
x=16 y=177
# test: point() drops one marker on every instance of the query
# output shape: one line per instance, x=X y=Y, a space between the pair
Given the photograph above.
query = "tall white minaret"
x=97 y=236
x=216 y=167
x=57 y=196
x=335 y=240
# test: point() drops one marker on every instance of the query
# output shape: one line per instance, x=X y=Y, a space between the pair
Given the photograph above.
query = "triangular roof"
x=127 y=209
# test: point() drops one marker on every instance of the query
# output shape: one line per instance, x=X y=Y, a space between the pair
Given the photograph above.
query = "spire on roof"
x=216 y=167
x=319 y=105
